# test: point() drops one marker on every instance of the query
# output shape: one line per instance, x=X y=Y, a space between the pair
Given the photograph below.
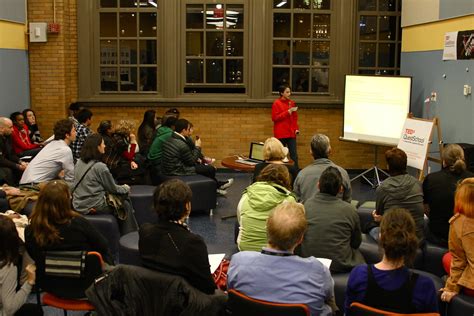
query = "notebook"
x=255 y=154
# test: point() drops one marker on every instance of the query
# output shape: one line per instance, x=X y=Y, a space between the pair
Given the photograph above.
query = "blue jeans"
x=291 y=144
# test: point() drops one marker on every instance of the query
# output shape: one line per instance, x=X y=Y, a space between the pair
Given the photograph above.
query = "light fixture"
x=153 y=3
x=282 y=3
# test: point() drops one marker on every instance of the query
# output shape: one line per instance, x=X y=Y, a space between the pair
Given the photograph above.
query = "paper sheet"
x=215 y=260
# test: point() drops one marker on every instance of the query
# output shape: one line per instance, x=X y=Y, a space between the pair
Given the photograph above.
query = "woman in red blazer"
x=22 y=145
x=285 y=121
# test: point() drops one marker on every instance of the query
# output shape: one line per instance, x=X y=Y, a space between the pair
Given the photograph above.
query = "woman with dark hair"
x=93 y=181
x=438 y=192
x=461 y=243
x=30 y=121
x=12 y=302
x=168 y=245
x=55 y=226
x=146 y=130
x=285 y=121
x=21 y=142
x=389 y=285
x=272 y=188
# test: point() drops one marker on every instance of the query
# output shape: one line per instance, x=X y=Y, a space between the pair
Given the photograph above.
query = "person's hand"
x=377 y=217
x=133 y=165
x=198 y=142
x=292 y=109
x=31 y=274
x=297 y=132
x=126 y=186
x=22 y=166
x=11 y=191
x=133 y=138
x=61 y=174
x=447 y=296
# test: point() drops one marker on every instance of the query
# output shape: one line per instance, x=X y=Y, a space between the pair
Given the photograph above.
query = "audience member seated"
x=74 y=108
x=201 y=158
x=11 y=167
x=22 y=144
x=12 y=298
x=55 y=159
x=170 y=112
x=54 y=226
x=461 y=242
x=333 y=225
x=6 y=191
x=277 y=275
x=30 y=121
x=84 y=117
x=168 y=245
x=162 y=134
x=106 y=130
x=93 y=182
x=305 y=181
x=400 y=190
x=272 y=188
x=145 y=131
x=126 y=165
x=438 y=193
x=390 y=285
x=180 y=159
x=274 y=152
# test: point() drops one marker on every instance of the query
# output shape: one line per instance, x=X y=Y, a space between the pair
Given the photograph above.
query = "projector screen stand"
x=375 y=181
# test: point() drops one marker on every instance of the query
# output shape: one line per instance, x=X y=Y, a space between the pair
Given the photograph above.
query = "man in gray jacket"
x=305 y=183
x=333 y=225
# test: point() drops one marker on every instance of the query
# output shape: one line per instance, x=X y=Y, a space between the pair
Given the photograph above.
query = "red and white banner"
x=414 y=141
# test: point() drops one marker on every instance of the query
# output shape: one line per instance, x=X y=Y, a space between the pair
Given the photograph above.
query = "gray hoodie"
x=402 y=191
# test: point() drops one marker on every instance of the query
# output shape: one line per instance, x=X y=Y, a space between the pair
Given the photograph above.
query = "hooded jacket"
x=402 y=191
x=156 y=148
x=253 y=210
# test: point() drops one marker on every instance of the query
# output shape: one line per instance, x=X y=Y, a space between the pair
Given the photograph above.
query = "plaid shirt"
x=82 y=131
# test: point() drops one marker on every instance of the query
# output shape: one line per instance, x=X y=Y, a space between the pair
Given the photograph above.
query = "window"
x=379 y=37
x=302 y=45
x=215 y=48
x=128 y=46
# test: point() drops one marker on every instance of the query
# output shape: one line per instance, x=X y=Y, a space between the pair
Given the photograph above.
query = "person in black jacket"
x=11 y=166
x=168 y=245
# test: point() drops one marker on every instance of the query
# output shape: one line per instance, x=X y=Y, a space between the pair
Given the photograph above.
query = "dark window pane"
x=214 y=43
x=301 y=4
x=128 y=79
x=128 y=24
x=128 y=52
x=148 y=52
x=234 y=71
x=320 y=53
x=319 y=80
x=194 y=16
x=194 y=70
x=301 y=52
x=387 y=28
x=302 y=25
x=108 y=3
x=148 y=79
x=215 y=16
x=281 y=4
x=368 y=27
x=147 y=25
x=194 y=43
x=321 y=26
x=366 y=72
x=234 y=45
x=367 y=5
x=108 y=52
x=367 y=55
x=108 y=25
x=108 y=79
x=235 y=16
x=386 y=55
x=279 y=77
x=388 y=5
x=300 y=80
x=281 y=24
x=386 y=72
x=322 y=4
x=214 y=71
x=281 y=52
x=128 y=3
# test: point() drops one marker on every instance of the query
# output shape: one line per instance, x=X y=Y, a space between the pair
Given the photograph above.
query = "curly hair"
x=276 y=173
x=273 y=150
x=170 y=199
x=125 y=127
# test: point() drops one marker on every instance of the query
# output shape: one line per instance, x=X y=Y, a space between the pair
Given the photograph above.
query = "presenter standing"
x=285 y=121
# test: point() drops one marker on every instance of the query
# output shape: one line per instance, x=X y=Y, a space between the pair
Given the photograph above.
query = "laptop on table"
x=255 y=155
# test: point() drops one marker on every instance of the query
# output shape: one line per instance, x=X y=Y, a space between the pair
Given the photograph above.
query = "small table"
x=231 y=163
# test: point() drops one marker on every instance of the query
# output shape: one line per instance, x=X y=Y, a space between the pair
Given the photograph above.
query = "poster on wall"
x=414 y=141
x=459 y=45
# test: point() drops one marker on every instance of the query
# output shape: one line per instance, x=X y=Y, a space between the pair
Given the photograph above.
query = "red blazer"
x=285 y=124
x=21 y=140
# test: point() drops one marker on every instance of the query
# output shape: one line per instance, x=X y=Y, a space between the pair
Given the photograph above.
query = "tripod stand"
x=376 y=179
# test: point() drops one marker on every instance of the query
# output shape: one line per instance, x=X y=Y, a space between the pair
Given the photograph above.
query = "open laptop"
x=255 y=154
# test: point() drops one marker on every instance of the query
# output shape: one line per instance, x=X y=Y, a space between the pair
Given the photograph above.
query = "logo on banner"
x=412 y=139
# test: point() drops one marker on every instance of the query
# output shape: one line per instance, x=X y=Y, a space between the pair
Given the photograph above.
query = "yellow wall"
x=13 y=35
x=430 y=36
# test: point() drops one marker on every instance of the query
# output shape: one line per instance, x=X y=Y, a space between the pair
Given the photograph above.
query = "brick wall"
x=224 y=131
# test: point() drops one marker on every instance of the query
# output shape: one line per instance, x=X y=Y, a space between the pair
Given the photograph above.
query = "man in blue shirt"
x=277 y=275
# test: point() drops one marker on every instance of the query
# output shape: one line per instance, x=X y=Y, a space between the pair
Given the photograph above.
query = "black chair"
x=242 y=305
